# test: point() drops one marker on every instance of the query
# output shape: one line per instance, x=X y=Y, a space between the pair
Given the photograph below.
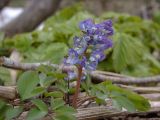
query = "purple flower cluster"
x=89 y=49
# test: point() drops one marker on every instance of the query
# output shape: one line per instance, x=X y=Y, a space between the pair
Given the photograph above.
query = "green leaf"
x=127 y=51
x=116 y=104
x=44 y=69
x=100 y=101
x=26 y=84
x=124 y=102
x=3 y=109
x=46 y=82
x=64 y=117
x=35 y=114
x=38 y=90
x=40 y=104
x=64 y=14
x=66 y=109
x=154 y=61
x=50 y=52
x=101 y=95
x=134 y=71
x=57 y=75
x=57 y=103
x=87 y=84
x=65 y=113
x=156 y=16
x=139 y=102
x=4 y=76
x=61 y=85
x=22 y=42
x=2 y=36
x=13 y=112
x=55 y=94
x=2 y=104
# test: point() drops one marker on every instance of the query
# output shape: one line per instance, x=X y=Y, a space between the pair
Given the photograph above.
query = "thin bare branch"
x=152 y=96
x=142 y=90
x=100 y=112
x=125 y=80
x=96 y=76
x=8 y=92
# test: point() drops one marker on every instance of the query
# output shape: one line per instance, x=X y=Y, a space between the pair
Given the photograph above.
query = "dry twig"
x=142 y=90
x=94 y=113
x=8 y=92
x=96 y=76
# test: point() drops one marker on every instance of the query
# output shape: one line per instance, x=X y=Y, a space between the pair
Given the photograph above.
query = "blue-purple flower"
x=95 y=38
x=72 y=58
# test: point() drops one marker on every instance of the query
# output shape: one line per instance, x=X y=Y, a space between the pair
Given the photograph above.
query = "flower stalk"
x=74 y=102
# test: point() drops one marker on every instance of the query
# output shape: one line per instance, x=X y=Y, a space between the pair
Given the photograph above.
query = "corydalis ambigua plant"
x=88 y=49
